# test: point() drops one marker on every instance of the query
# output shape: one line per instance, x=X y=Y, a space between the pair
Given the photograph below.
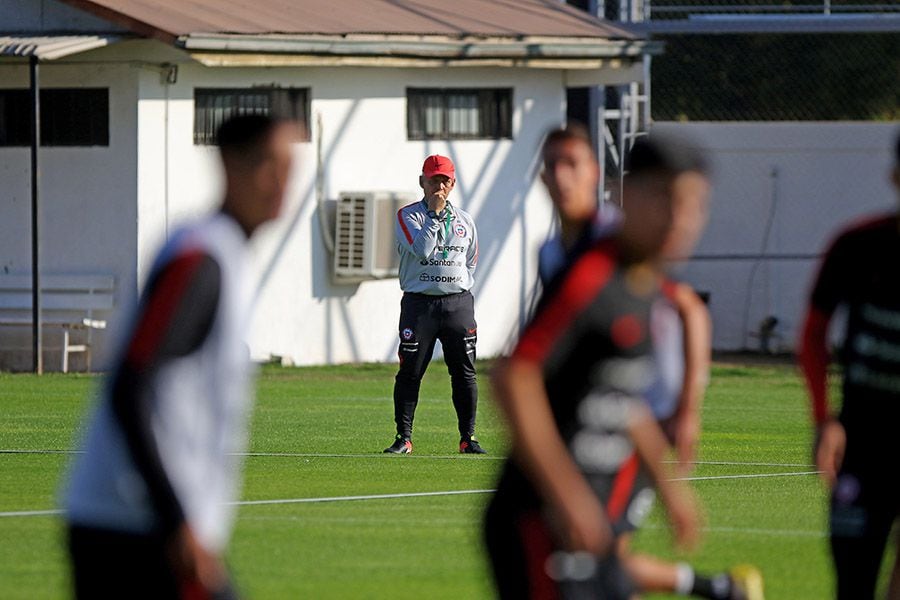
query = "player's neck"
x=570 y=231
x=228 y=209
x=642 y=278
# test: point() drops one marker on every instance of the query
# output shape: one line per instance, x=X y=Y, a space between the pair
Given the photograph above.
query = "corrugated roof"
x=50 y=48
x=503 y=18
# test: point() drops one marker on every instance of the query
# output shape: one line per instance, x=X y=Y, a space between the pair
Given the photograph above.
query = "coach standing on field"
x=438 y=248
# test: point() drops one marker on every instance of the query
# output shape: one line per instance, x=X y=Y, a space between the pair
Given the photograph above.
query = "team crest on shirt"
x=626 y=331
x=407 y=334
x=460 y=230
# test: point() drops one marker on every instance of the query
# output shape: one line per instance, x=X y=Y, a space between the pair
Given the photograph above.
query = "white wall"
x=807 y=180
x=87 y=199
x=109 y=209
x=301 y=315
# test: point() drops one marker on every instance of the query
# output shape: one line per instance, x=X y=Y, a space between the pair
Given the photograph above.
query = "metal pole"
x=597 y=107
x=37 y=349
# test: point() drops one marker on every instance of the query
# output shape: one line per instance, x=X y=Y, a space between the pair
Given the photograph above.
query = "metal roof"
x=50 y=48
x=436 y=50
x=492 y=18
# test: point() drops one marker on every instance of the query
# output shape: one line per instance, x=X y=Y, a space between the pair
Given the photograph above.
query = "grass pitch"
x=319 y=432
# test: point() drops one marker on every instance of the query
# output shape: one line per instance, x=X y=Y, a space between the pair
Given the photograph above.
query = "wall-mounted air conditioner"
x=365 y=246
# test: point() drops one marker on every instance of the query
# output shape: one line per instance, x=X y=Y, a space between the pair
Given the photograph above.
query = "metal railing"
x=664 y=10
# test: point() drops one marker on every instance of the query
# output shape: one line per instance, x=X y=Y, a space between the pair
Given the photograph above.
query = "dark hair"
x=573 y=130
x=242 y=136
x=661 y=153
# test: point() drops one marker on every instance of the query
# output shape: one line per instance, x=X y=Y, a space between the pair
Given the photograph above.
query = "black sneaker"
x=470 y=446
x=401 y=445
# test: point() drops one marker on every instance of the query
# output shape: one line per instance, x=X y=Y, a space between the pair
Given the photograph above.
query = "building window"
x=458 y=114
x=213 y=106
x=69 y=117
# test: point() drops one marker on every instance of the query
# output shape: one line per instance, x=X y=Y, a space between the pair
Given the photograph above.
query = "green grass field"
x=319 y=434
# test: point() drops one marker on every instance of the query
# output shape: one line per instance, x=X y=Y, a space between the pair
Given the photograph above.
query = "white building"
x=139 y=86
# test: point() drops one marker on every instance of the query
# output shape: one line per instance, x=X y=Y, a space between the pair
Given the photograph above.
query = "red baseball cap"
x=438 y=165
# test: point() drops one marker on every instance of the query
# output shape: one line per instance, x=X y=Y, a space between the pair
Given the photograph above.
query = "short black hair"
x=573 y=130
x=662 y=153
x=243 y=135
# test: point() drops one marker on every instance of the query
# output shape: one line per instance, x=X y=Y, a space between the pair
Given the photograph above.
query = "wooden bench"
x=68 y=302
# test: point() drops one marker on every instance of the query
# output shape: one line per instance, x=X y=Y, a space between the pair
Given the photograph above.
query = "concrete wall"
x=87 y=203
x=109 y=210
x=781 y=191
x=302 y=316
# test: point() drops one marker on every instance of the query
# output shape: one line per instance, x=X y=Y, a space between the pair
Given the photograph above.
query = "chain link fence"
x=777 y=77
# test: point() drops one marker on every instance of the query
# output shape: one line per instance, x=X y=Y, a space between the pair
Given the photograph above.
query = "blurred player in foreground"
x=581 y=429
x=858 y=450
x=590 y=345
x=680 y=323
x=149 y=501
x=681 y=332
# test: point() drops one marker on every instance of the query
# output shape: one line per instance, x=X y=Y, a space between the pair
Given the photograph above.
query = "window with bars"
x=458 y=114
x=213 y=106
x=69 y=117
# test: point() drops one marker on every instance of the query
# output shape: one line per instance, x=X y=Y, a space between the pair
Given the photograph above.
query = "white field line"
x=48 y=451
x=753 y=531
x=414 y=456
x=378 y=454
x=31 y=513
x=368 y=455
x=729 y=463
x=751 y=476
x=42 y=513
x=370 y=497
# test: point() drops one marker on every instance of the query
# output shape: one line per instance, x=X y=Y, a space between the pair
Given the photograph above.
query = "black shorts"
x=116 y=564
x=627 y=495
x=864 y=507
x=527 y=562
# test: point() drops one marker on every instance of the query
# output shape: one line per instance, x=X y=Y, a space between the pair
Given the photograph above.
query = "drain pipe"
x=327 y=234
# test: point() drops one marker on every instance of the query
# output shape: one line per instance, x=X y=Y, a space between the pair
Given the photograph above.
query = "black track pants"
x=424 y=320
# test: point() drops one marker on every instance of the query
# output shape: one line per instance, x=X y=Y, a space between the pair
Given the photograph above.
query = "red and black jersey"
x=591 y=337
x=860 y=273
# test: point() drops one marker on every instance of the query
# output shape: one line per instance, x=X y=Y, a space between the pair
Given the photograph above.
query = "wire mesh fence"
x=777 y=77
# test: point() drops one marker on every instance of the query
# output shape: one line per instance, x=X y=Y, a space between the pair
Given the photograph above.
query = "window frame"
x=298 y=98
x=496 y=110
x=92 y=132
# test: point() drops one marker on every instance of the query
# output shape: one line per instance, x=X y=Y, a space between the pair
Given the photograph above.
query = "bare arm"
x=830 y=439
x=697 y=327
x=652 y=447
x=543 y=456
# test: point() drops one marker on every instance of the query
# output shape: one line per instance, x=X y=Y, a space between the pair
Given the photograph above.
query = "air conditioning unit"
x=365 y=245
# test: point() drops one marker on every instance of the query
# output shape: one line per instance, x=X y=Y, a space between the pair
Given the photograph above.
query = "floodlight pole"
x=37 y=349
